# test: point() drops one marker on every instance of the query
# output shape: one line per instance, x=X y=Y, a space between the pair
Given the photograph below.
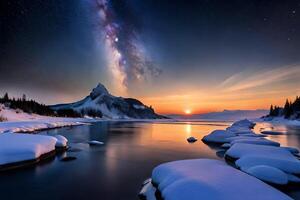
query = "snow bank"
x=24 y=147
x=48 y=123
x=208 y=179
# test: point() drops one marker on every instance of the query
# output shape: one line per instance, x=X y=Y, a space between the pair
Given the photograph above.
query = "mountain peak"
x=98 y=90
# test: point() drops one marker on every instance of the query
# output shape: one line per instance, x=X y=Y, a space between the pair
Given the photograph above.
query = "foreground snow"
x=256 y=155
x=23 y=147
x=207 y=179
x=18 y=147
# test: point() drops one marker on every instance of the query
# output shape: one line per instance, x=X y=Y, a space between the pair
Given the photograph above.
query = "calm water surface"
x=117 y=169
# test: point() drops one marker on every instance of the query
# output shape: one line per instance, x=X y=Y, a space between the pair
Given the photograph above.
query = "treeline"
x=31 y=106
x=290 y=109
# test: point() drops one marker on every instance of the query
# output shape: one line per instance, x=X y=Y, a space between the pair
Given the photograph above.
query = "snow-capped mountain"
x=100 y=103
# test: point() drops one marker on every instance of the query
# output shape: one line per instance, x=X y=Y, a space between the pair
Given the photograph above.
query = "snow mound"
x=218 y=136
x=287 y=164
x=244 y=123
x=197 y=179
x=250 y=155
x=239 y=131
x=23 y=147
x=61 y=141
x=268 y=174
x=255 y=140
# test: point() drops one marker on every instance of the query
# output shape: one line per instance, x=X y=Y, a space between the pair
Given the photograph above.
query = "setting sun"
x=187 y=111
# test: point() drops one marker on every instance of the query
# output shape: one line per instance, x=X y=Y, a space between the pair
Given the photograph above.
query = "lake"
x=117 y=169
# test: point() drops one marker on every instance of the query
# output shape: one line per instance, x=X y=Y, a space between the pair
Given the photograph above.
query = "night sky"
x=203 y=55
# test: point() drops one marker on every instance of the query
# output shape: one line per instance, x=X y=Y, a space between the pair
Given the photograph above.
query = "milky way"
x=126 y=55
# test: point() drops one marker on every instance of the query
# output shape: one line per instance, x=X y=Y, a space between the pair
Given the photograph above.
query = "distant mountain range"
x=100 y=103
x=226 y=115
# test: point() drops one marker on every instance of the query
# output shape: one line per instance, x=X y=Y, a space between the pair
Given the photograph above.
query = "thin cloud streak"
x=240 y=81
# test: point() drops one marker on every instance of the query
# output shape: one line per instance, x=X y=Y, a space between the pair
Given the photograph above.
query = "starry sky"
x=201 y=55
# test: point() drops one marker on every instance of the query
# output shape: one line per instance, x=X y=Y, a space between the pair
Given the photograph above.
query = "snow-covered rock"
x=250 y=155
x=191 y=139
x=218 y=136
x=102 y=104
x=61 y=141
x=23 y=147
x=244 y=123
x=268 y=174
x=208 y=179
x=288 y=164
x=255 y=140
x=240 y=130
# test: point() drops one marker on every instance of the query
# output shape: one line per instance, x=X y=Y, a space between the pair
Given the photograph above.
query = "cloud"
x=243 y=81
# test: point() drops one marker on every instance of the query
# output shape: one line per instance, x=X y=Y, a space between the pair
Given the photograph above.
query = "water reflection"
x=290 y=134
x=116 y=169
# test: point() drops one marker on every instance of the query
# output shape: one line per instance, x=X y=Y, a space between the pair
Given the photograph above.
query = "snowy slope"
x=103 y=104
x=18 y=115
x=19 y=121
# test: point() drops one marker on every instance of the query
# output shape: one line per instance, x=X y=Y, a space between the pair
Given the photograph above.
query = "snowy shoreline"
x=252 y=158
x=280 y=121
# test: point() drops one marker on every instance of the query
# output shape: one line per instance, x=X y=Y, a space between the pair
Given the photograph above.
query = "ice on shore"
x=208 y=179
x=23 y=147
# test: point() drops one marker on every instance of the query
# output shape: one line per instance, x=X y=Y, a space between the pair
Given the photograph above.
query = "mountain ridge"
x=100 y=103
